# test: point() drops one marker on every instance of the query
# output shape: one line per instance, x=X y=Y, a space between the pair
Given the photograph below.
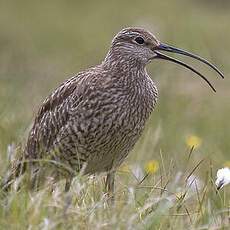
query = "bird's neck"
x=129 y=74
x=117 y=62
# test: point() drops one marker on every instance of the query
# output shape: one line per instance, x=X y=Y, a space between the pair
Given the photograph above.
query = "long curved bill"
x=167 y=48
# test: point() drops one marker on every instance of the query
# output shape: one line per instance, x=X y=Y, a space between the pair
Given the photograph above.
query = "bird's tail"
x=15 y=170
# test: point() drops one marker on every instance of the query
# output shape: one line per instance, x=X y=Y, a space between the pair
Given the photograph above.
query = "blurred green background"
x=42 y=43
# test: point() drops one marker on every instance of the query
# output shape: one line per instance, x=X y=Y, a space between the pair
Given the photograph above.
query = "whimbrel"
x=92 y=120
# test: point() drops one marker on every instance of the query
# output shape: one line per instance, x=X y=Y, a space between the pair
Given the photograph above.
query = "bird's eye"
x=139 y=40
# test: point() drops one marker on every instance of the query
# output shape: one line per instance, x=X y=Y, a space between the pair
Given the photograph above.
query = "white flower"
x=223 y=177
x=137 y=172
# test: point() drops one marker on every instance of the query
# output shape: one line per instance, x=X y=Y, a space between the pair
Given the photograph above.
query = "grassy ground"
x=44 y=42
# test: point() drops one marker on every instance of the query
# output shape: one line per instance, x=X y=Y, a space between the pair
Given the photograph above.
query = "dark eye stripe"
x=139 y=40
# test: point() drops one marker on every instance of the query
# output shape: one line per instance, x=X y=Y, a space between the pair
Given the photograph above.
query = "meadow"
x=167 y=181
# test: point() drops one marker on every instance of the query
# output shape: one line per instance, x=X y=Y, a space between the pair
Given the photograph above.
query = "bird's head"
x=137 y=45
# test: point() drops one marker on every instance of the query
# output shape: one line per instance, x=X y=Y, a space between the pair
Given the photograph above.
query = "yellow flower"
x=227 y=164
x=193 y=141
x=152 y=166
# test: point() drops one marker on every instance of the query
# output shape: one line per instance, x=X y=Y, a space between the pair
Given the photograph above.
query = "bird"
x=91 y=122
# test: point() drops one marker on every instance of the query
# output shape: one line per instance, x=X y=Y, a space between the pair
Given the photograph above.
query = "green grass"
x=43 y=43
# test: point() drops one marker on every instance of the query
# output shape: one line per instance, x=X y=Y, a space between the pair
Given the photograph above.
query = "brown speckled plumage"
x=93 y=120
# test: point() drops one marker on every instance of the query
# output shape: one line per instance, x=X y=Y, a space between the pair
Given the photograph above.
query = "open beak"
x=167 y=48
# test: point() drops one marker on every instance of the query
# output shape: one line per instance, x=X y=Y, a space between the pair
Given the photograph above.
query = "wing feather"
x=52 y=115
